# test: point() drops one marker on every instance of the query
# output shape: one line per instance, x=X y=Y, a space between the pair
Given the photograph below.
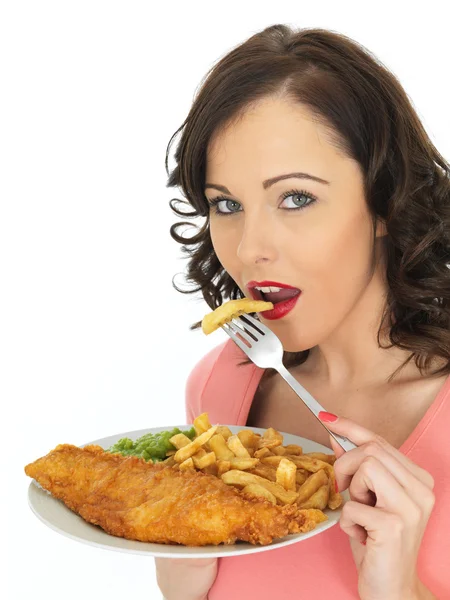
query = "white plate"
x=56 y=515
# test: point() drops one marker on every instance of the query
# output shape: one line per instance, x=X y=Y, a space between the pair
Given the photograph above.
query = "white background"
x=94 y=339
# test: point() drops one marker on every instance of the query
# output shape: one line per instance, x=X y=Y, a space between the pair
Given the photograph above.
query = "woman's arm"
x=391 y=500
x=185 y=579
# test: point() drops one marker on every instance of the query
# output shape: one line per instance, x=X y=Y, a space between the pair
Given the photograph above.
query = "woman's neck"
x=351 y=356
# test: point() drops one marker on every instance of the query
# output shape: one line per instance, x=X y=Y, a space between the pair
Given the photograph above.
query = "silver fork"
x=266 y=351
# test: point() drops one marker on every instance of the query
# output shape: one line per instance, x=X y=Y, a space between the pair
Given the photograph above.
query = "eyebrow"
x=268 y=182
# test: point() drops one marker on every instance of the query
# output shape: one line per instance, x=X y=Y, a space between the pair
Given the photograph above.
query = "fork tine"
x=249 y=334
x=226 y=327
x=255 y=323
x=238 y=329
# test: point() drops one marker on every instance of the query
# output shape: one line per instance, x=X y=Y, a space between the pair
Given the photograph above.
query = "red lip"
x=265 y=283
x=280 y=309
x=252 y=284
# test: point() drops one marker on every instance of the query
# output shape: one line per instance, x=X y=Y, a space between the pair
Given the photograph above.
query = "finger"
x=360 y=435
x=372 y=476
x=370 y=525
x=350 y=463
x=349 y=522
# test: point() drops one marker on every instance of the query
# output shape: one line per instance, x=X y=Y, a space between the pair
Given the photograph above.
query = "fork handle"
x=313 y=406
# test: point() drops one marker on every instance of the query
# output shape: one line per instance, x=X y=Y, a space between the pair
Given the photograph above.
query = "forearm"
x=184 y=597
x=198 y=598
x=190 y=598
x=189 y=579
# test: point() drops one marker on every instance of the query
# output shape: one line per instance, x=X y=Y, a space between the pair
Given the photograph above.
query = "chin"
x=294 y=349
x=290 y=341
x=294 y=345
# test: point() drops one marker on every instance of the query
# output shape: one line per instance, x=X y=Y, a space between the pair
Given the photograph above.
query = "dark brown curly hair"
x=406 y=180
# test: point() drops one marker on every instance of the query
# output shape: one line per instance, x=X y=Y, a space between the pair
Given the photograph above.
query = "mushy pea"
x=150 y=446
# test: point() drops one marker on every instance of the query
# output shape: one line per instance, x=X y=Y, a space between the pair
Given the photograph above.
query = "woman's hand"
x=185 y=578
x=391 y=502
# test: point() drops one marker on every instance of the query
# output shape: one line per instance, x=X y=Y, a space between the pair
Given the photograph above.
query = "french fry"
x=169 y=462
x=262 y=452
x=272 y=434
x=269 y=443
x=300 y=477
x=223 y=466
x=258 y=491
x=293 y=449
x=224 y=431
x=243 y=464
x=311 y=485
x=180 y=440
x=201 y=423
x=233 y=308
x=265 y=471
x=274 y=461
x=314 y=465
x=329 y=458
x=204 y=461
x=219 y=446
x=200 y=452
x=242 y=478
x=310 y=464
x=279 y=451
x=236 y=446
x=248 y=438
x=286 y=474
x=187 y=464
x=319 y=499
x=294 y=457
x=190 y=449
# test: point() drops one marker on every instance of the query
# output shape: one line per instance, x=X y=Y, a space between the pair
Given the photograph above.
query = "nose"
x=257 y=242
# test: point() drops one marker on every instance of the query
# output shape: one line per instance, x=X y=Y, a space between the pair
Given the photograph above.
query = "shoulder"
x=198 y=378
x=218 y=383
x=199 y=374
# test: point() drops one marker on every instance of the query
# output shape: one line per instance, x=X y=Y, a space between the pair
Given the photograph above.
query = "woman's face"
x=323 y=248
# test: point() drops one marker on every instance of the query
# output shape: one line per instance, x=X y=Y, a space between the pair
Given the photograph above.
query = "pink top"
x=320 y=567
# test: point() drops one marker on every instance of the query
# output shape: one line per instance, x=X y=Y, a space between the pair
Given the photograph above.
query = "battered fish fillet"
x=130 y=498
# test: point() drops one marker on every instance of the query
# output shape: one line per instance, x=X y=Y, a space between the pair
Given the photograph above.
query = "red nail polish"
x=327 y=417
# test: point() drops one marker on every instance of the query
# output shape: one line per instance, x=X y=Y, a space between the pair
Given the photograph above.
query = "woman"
x=359 y=223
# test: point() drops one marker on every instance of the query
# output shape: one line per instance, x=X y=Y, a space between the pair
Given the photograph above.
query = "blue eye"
x=216 y=201
x=304 y=199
